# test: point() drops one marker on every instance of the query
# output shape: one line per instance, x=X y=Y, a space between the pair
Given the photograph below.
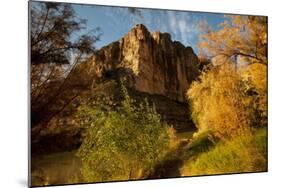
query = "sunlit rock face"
x=149 y=62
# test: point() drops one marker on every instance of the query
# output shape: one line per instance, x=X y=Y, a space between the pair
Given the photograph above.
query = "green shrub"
x=122 y=144
x=245 y=153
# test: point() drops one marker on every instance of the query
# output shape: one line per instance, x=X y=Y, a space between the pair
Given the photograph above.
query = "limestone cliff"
x=149 y=62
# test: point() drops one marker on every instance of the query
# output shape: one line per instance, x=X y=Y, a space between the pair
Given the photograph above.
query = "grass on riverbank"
x=247 y=153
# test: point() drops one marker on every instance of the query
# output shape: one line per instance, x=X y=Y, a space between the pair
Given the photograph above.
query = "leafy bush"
x=220 y=103
x=122 y=144
x=255 y=76
x=228 y=105
x=245 y=153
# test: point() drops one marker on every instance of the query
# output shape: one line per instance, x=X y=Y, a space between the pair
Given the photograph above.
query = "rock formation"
x=152 y=63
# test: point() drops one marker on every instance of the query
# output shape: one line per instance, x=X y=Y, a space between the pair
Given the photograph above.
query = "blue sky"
x=115 y=22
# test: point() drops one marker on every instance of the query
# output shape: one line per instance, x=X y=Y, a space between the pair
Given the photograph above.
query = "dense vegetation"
x=229 y=101
x=122 y=144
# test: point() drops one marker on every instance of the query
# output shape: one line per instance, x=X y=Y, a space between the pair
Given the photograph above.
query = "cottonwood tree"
x=237 y=37
x=57 y=47
x=230 y=97
x=219 y=102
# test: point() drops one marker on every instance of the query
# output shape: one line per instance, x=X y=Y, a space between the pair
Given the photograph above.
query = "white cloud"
x=172 y=19
x=183 y=26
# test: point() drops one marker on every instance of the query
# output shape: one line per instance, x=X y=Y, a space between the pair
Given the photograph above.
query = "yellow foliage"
x=219 y=102
x=244 y=36
x=229 y=98
x=257 y=75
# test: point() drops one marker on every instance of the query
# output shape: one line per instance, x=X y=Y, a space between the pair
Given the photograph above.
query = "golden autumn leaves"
x=230 y=96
